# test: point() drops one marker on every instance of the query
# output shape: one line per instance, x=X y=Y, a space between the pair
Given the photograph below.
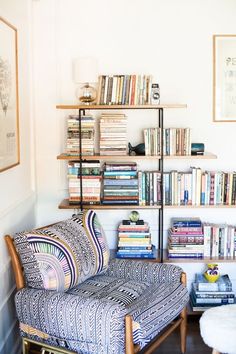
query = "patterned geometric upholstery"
x=89 y=318
x=61 y=256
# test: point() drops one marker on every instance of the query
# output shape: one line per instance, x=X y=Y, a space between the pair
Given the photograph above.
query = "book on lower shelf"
x=134 y=240
x=205 y=294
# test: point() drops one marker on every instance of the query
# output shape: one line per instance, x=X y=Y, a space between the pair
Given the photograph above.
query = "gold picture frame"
x=224 y=78
x=9 y=101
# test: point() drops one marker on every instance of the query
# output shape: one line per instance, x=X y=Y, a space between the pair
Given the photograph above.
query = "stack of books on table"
x=87 y=134
x=91 y=182
x=205 y=295
x=113 y=134
x=120 y=183
x=134 y=240
x=186 y=238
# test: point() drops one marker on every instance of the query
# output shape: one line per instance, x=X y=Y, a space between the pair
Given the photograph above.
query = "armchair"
x=128 y=306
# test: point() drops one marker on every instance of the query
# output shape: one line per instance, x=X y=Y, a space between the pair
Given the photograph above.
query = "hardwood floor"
x=195 y=344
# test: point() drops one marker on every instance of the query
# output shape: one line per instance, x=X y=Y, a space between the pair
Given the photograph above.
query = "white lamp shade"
x=85 y=70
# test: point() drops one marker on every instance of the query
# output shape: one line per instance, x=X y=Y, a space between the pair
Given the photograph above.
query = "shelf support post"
x=81 y=112
x=161 y=169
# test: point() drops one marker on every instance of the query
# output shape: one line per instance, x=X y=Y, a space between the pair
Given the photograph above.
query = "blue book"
x=222 y=284
x=186 y=222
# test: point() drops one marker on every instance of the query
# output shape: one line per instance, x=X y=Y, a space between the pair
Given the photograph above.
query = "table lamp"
x=85 y=73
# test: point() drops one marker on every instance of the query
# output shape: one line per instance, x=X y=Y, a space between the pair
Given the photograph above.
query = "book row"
x=124 y=89
x=176 y=141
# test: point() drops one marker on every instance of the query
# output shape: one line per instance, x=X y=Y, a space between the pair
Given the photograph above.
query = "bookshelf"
x=161 y=254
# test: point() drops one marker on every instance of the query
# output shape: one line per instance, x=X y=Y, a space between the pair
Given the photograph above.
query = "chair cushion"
x=65 y=254
x=90 y=317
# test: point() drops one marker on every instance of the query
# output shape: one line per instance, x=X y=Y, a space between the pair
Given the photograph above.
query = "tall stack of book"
x=120 y=183
x=186 y=238
x=176 y=141
x=87 y=134
x=134 y=240
x=113 y=134
x=205 y=295
x=91 y=182
x=124 y=89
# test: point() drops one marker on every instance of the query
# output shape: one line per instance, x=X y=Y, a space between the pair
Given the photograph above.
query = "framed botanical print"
x=224 y=78
x=9 y=103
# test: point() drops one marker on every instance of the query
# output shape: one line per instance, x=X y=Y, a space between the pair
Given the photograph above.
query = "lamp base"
x=86 y=94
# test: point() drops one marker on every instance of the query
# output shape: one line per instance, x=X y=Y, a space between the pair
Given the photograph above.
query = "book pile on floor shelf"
x=205 y=295
x=186 y=238
x=91 y=182
x=176 y=141
x=113 y=134
x=120 y=183
x=87 y=134
x=134 y=240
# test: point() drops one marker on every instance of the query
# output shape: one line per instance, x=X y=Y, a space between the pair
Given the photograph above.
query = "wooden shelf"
x=206 y=156
x=197 y=260
x=66 y=205
x=200 y=206
x=115 y=106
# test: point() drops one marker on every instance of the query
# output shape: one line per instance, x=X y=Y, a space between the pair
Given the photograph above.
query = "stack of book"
x=87 y=134
x=124 y=89
x=186 y=238
x=205 y=295
x=91 y=182
x=134 y=240
x=176 y=141
x=113 y=134
x=120 y=183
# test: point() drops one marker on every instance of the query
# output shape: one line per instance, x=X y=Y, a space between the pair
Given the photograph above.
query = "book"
x=211 y=294
x=222 y=284
x=186 y=222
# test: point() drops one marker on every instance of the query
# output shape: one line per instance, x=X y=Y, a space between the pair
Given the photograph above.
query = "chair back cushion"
x=65 y=254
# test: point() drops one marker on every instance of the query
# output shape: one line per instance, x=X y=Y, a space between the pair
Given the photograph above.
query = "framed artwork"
x=224 y=78
x=9 y=103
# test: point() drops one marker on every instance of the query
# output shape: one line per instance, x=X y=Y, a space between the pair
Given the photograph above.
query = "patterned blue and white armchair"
x=74 y=297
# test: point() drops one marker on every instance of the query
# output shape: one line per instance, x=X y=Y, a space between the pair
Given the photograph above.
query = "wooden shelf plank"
x=65 y=205
x=199 y=206
x=65 y=156
x=197 y=260
x=111 y=107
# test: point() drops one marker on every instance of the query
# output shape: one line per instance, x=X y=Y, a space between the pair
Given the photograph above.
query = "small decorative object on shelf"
x=212 y=273
x=134 y=216
x=85 y=72
x=155 y=94
x=197 y=149
x=137 y=150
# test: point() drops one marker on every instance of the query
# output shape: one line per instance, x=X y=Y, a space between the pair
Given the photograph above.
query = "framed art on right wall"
x=224 y=78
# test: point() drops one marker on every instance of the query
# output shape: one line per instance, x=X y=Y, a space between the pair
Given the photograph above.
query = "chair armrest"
x=144 y=271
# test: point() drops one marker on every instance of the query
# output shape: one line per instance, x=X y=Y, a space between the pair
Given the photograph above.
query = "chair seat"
x=90 y=317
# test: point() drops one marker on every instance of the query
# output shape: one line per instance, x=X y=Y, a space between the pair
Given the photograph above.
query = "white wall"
x=171 y=40
x=16 y=187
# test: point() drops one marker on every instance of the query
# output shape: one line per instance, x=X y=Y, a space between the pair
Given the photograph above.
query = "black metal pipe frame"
x=161 y=169
x=81 y=112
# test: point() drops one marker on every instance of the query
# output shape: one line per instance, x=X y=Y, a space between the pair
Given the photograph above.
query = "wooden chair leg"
x=129 y=344
x=214 y=351
x=183 y=330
